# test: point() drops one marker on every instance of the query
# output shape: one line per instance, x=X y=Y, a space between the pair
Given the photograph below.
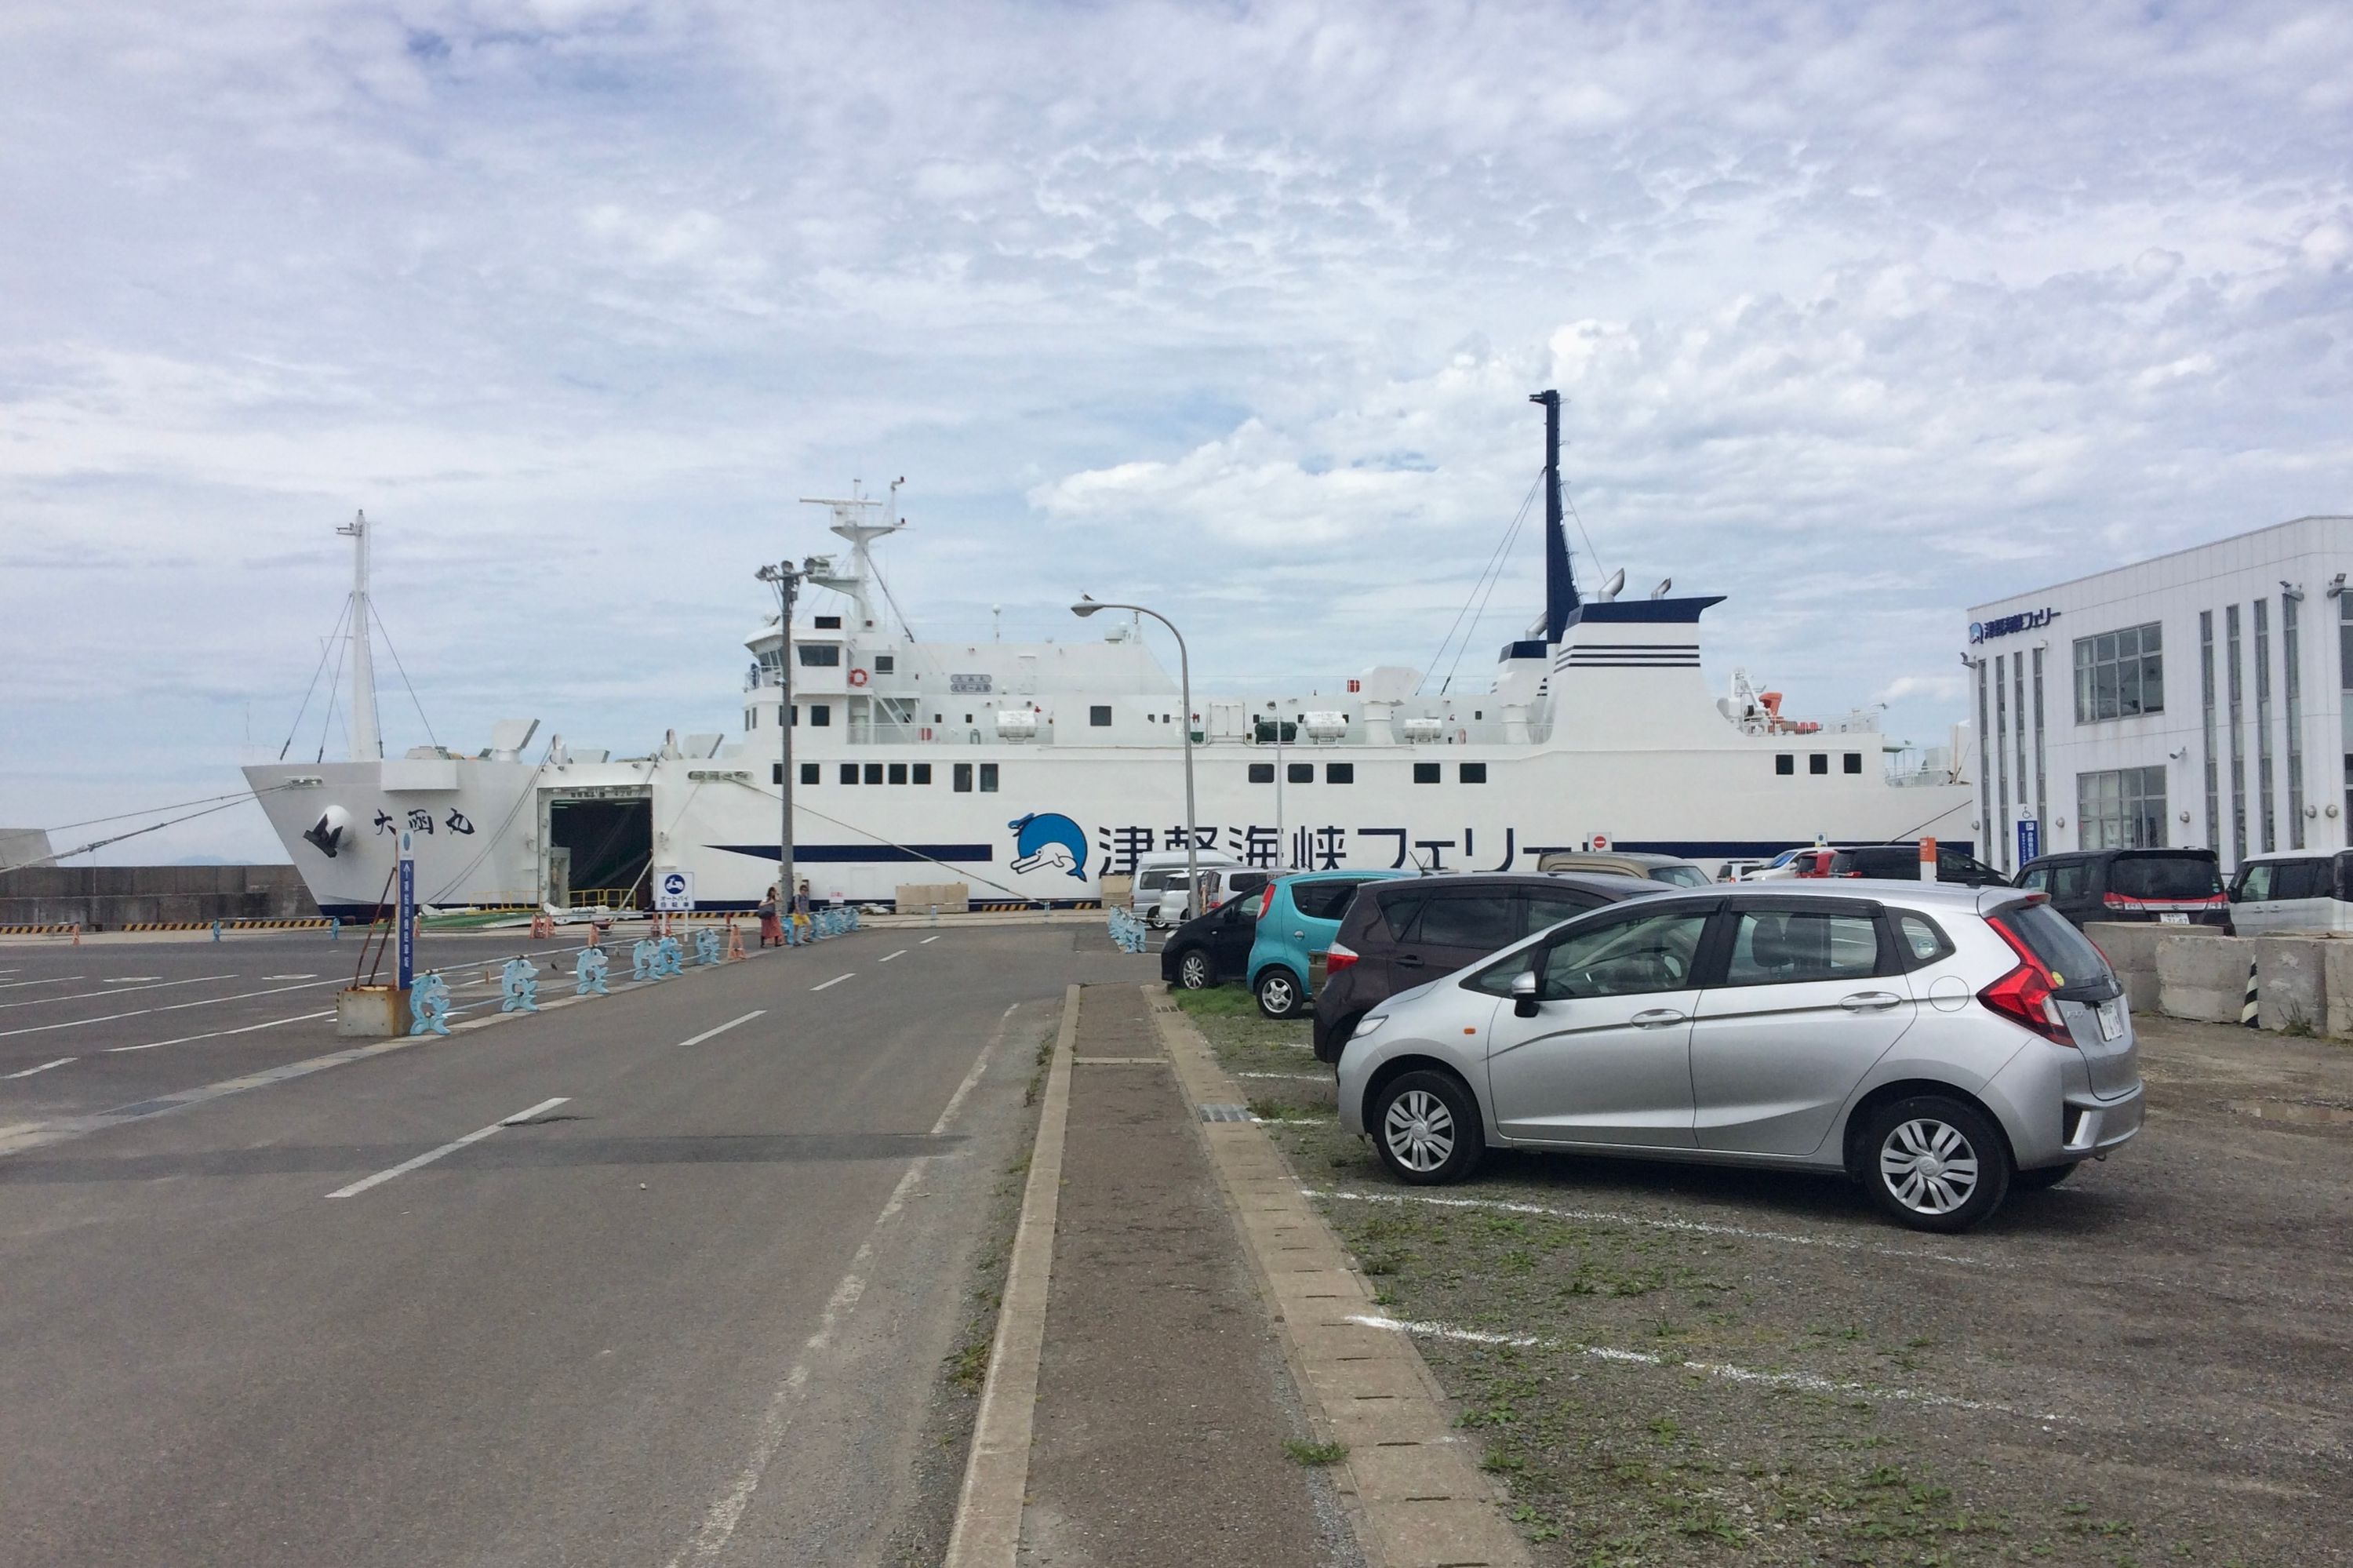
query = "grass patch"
x=1216 y=1001
x=1303 y=1452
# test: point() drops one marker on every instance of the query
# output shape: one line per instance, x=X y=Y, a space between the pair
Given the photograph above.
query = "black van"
x=2167 y=887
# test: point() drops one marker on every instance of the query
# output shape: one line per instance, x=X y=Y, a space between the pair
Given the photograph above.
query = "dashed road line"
x=88 y=995
x=835 y=980
x=54 y=980
x=1700 y=1227
x=217 y=1033
x=927 y=941
x=723 y=1028
x=169 y=1007
x=888 y=957
x=1810 y=1382
x=42 y=1068
x=454 y=1144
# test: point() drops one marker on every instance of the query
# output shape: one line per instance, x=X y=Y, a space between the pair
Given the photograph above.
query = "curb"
x=987 y=1533
x=1420 y=1499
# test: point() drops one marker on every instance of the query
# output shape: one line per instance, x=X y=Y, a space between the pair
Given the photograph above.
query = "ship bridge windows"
x=829 y=623
x=886 y=663
x=819 y=655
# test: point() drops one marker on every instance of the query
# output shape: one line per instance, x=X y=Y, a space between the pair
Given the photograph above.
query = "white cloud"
x=1863 y=315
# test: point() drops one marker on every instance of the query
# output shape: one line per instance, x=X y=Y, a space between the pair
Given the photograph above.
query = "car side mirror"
x=1524 y=994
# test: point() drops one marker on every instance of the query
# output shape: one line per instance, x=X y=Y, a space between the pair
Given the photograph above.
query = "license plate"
x=2174 y=920
x=2112 y=1020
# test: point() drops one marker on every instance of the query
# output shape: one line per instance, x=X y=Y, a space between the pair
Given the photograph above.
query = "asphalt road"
x=693 y=1309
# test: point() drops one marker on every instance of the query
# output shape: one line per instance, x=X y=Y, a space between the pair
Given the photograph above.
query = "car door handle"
x=1869 y=1001
x=1655 y=1018
x=1409 y=960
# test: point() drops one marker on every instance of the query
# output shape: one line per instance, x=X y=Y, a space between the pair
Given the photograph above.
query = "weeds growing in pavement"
x=1306 y=1453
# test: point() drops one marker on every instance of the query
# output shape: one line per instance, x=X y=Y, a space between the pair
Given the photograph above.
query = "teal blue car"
x=1298 y=919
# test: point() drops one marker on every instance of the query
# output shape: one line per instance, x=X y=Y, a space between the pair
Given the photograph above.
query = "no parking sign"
x=674 y=891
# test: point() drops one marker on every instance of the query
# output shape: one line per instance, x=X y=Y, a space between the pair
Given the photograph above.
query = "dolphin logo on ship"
x=1048 y=841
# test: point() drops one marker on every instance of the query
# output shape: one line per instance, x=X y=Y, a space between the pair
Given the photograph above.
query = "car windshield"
x=1680 y=875
x=2165 y=877
x=2066 y=952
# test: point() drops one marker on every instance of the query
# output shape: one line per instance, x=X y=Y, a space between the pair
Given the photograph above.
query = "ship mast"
x=1560 y=583
x=366 y=746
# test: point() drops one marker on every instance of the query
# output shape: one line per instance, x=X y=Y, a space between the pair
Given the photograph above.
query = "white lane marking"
x=723 y=1028
x=835 y=980
x=309 y=976
x=87 y=995
x=454 y=1144
x=169 y=1007
x=134 y=979
x=887 y=958
x=1810 y=1382
x=56 y=980
x=1603 y=1217
x=217 y=1033
x=42 y=1068
x=1291 y=1077
x=927 y=941
x=768 y=1435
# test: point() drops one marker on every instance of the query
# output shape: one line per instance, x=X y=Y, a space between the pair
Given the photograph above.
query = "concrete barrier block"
x=2291 y=971
x=2336 y=984
x=2202 y=978
x=2131 y=947
x=919 y=897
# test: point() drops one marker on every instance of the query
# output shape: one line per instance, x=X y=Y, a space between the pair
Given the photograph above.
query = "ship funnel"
x=1614 y=587
x=1661 y=591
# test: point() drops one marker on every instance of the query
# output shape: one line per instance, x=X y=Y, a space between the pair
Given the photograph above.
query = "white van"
x=2298 y=890
x=1158 y=896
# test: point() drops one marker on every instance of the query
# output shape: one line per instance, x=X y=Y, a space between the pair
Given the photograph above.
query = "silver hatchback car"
x=1941 y=1044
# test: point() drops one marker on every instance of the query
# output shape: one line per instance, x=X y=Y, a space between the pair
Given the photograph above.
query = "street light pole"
x=1087 y=606
x=785 y=579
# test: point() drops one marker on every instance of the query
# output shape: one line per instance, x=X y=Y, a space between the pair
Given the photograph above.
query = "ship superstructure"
x=1028 y=770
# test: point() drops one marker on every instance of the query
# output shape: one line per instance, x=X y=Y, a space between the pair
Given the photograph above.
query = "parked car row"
x=1854 y=1025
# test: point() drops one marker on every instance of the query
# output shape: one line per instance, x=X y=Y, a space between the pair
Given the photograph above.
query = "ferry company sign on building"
x=2024 y=620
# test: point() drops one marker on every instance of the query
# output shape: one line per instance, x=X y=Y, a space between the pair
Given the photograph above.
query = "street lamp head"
x=1085 y=607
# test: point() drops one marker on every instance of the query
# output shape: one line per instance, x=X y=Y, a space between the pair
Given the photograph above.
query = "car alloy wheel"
x=1278 y=994
x=1193 y=971
x=1936 y=1164
x=1425 y=1126
x=1929 y=1167
x=1419 y=1130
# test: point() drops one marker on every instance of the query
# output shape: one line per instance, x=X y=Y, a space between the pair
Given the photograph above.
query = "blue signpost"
x=2029 y=840
x=405 y=911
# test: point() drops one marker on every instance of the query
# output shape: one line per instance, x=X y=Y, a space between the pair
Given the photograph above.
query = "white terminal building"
x=2200 y=699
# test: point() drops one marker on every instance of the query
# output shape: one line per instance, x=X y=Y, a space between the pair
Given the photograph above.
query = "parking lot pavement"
x=674 y=1277
x=2147 y=1363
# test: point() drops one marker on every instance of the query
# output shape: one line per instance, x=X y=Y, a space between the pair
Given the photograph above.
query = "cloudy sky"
x=1863 y=315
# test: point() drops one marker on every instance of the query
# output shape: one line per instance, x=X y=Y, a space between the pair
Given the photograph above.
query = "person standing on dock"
x=771 y=908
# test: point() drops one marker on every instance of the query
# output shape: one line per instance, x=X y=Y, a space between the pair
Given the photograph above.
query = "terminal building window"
x=2235 y=672
x=2292 y=695
x=2213 y=764
x=819 y=655
x=2123 y=808
x=2262 y=648
x=2120 y=674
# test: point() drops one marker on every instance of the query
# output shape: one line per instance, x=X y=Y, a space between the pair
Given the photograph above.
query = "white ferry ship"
x=1029 y=771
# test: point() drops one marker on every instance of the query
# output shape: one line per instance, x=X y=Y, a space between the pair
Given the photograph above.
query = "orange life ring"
x=857 y=677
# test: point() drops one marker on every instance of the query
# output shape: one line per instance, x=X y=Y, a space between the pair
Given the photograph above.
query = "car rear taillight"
x=1337 y=959
x=1266 y=902
x=2115 y=901
x=2024 y=994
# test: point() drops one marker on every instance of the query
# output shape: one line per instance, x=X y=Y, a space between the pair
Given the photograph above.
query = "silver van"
x=1159 y=895
x=2298 y=890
